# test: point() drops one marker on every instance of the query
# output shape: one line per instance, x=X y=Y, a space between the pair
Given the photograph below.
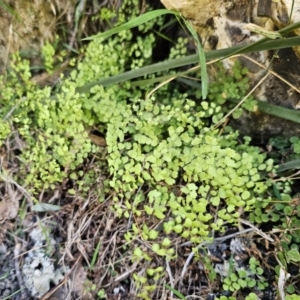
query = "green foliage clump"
x=283 y=149
x=180 y=48
x=252 y=278
x=163 y=159
x=54 y=128
x=5 y=130
x=292 y=297
x=276 y=212
x=48 y=53
x=229 y=90
x=295 y=144
x=166 y=162
x=251 y=296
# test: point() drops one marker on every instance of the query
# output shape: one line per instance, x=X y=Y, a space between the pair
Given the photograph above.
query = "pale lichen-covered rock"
x=38 y=269
x=190 y=9
x=39 y=272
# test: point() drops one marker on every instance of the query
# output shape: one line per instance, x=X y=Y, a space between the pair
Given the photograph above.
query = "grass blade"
x=13 y=294
x=191 y=59
x=95 y=256
x=133 y=23
x=293 y=164
x=278 y=111
x=201 y=53
x=3 y=276
x=255 y=46
x=178 y=294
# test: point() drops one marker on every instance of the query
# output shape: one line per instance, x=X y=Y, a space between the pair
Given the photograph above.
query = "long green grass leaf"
x=278 y=111
x=191 y=59
x=276 y=191
x=3 y=276
x=275 y=110
x=95 y=255
x=133 y=23
x=202 y=60
x=293 y=164
x=11 y=295
x=261 y=45
x=255 y=46
x=177 y=75
x=163 y=36
x=178 y=294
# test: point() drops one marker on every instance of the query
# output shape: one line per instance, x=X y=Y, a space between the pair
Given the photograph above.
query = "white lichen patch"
x=39 y=269
x=39 y=272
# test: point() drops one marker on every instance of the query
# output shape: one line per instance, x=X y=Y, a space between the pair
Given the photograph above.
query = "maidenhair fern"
x=54 y=127
x=182 y=167
x=167 y=162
